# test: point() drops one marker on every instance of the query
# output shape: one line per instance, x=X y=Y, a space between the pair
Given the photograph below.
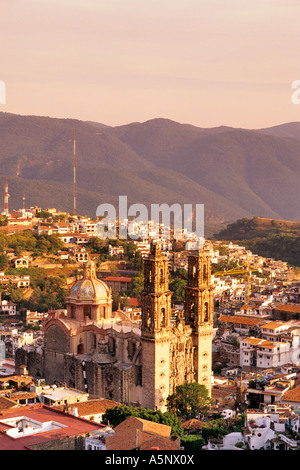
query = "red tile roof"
x=140 y=433
x=73 y=426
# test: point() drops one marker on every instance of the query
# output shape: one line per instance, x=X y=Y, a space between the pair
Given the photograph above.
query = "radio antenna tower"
x=74 y=164
x=6 y=196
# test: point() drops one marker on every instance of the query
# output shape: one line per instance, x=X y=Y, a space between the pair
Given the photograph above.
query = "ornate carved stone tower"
x=199 y=307
x=156 y=330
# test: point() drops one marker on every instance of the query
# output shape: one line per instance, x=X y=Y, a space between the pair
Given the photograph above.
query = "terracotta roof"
x=157 y=428
x=239 y=319
x=288 y=308
x=6 y=403
x=73 y=426
x=117 y=279
x=192 y=424
x=253 y=341
x=134 y=302
x=267 y=344
x=273 y=325
x=133 y=431
x=159 y=442
x=23 y=395
x=90 y=407
x=292 y=395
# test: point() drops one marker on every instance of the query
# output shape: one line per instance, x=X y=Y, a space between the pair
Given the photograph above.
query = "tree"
x=192 y=443
x=177 y=286
x=137 y=285
x=3 y=261
x=97 y=245
x=189 y=400
x=44 y=215
x=132 y=255
x=3 y=220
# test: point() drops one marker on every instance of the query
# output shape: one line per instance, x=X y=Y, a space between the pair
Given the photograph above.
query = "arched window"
x=192 y=310
x=112 y=345
x=206 y=311
x=73 y=311
x=163 y=317
x=87 y=311
x=194 y=270
x=148 y=317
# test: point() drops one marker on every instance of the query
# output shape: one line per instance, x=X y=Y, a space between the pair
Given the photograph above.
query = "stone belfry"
x=155 y=330
x=199 y=307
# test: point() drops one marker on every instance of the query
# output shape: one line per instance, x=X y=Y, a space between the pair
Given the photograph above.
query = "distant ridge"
x=235 y=173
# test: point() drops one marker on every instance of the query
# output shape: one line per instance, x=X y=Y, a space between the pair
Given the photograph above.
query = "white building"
x=263 y=353
x=8 y=308
x=96 y=441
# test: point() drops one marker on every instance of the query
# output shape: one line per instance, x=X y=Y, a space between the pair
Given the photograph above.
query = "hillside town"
x=255 y=340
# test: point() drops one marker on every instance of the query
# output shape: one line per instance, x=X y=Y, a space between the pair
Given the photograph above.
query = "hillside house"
x=261 y=353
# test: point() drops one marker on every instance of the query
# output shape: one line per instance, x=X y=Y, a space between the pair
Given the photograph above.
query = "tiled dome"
x=90 y=287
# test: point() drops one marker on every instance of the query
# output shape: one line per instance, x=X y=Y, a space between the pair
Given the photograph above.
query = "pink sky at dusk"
x=203 y=62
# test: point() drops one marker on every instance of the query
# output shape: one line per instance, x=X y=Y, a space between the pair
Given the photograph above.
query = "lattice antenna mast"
x=6 y=196
x=74 y=170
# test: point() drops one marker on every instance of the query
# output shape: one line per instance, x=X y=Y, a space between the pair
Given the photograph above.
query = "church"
x=91 y=348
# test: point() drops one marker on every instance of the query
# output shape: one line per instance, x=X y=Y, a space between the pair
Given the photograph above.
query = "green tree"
x=97 y=245
x=132 y=255
x=44 y=215
x=3 y=220
x=192 y=442
x=177 y=286
x=189 y=400
x=136 y=285
x=3 y=261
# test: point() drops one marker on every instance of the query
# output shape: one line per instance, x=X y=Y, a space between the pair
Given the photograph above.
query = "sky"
x=202 y=62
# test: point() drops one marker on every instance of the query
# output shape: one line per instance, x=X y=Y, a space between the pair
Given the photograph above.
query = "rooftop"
x=43 y=423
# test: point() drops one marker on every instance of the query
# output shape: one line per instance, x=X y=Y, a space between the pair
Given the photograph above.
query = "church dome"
x=90 y=287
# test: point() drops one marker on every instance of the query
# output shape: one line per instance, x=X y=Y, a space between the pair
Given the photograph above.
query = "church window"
x=139 y=376
x=163 y=317
x=111 y=345
x=73 y=311
x=194 y=269
x=148 y=318
x=192 y=310
x=87 y=311
x=206 y=312
x=161 y=276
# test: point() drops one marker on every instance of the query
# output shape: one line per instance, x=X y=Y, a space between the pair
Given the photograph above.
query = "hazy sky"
x=203 y=62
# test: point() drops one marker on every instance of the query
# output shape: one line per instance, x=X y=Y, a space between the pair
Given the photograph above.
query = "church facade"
x=91 y=348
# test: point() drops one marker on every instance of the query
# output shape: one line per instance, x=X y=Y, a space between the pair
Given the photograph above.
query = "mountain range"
x=234 y=172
